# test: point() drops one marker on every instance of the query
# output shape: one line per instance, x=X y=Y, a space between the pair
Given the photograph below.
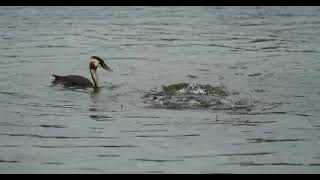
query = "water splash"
x=197 y=96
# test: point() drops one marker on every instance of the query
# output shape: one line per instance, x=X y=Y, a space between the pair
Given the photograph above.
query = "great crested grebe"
x=80 y=81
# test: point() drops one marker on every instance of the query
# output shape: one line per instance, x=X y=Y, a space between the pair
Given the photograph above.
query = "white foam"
x=194 y=89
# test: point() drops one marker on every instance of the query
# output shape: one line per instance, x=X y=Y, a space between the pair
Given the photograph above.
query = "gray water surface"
x=269 y=53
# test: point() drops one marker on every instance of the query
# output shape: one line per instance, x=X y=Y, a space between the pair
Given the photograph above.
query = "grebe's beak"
x=106 y=67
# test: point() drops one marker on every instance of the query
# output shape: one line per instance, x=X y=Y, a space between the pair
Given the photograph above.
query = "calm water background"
x=45 y=129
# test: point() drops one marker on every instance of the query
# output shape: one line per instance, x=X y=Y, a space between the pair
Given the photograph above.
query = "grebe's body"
x=82 y=82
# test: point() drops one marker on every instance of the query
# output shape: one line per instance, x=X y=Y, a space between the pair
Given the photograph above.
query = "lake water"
x=269 y=53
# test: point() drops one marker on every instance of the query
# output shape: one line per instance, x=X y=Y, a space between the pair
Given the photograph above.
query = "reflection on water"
x=268 y=54
x=95 y=93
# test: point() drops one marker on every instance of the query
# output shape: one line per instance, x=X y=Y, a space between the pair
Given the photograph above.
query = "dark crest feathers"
x=98 y=58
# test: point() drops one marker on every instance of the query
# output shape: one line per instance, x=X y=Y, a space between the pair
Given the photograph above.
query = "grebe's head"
x=96 y=62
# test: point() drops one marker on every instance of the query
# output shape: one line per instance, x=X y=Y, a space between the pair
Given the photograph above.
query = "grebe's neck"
x=95 y=78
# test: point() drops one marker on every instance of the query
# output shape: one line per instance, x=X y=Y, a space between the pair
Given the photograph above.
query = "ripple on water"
x=157 y=160
x=261 y=140
x=7 y=161
x=228 y=155
x=178 y=135
x=53 y=163
x=101 y=118
x=152 y=130
x=99 y=146
x=28 y=125
x=108 y=155
x=264 y=164
x=7 y=145
x=58 y=137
